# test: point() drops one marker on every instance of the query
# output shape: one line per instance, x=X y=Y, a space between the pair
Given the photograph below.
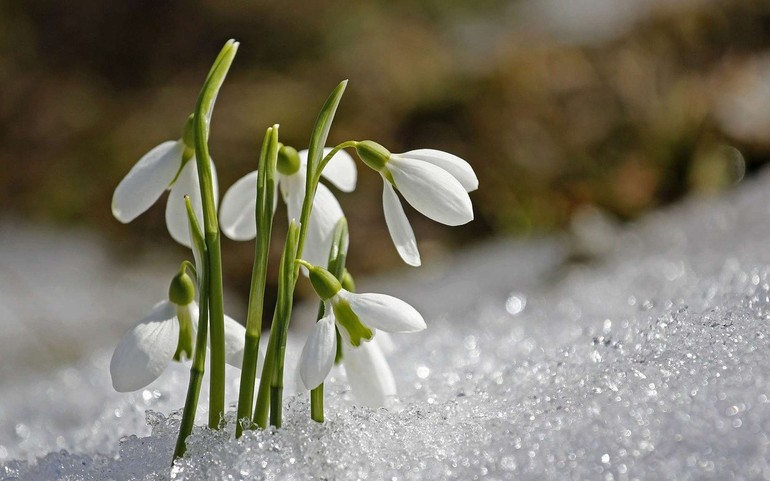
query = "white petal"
x=193 y=310
x=398 y=225
x=459 y=168
x=147 y=180
x=275 y=199
x=298 y=385
x=318 y=354
x=235 y=338
x=341 y=170
x=293 y=192
x=237 y=216
x=323 y=217
x=194 y=313
x=176 y=212
x=146 y=349
x=320 y=232
x=369 y=374
x=431 y=190
x=384 y=312
x=385 y=342
x=302 y=159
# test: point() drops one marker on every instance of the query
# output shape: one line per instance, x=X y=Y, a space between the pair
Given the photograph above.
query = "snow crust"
x=652 y=362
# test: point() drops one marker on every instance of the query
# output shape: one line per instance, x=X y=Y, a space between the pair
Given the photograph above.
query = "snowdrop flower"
x=237 y=216
x=169 y=166
x=435 y=183
x=356 y=317
x=166 y=333
x=367 y=370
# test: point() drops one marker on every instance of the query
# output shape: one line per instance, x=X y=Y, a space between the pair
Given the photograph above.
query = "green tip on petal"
x=181 y=291
x=324 y=282
x=373 y=154
x=184 y=347
x=288 y=160
x=354 y=330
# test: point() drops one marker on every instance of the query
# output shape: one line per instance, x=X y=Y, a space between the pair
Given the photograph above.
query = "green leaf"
x=322 y=126
x=204 y=108
x=216 y=77
x=266 y=182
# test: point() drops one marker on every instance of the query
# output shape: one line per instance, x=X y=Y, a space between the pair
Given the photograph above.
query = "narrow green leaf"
x=204 y=109
x=322 y=126
x=201 y=120
x=199 y=356
x=264 y=217
x=287 y=280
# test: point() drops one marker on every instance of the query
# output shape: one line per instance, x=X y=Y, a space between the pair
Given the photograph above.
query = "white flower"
x=237 y=215
x=435 y=183
x=357 y=317
x=167 y=332
x=162 y=168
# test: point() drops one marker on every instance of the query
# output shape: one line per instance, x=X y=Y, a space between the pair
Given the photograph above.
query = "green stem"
x=317 y=404
x=196 y=376
x=262 y=405
x=187 y=265
x=276 y=402
x=336 y=265
x=328 y=157
x=264 y=218
x=288 y=277
x=317 y=142
x=281 y=323
x=217 y=332
x=201 y=120
x=271 y=383
x=199 y=357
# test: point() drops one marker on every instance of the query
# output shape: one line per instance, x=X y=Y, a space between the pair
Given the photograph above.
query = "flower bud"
x=181 y=291
x=288 y=160
x=324 y=282
x=373 y=154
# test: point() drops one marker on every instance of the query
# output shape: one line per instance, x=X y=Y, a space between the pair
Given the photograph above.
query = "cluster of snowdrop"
x=435 y=183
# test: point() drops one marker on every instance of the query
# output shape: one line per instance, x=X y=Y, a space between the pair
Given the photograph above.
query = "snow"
x=651 y=362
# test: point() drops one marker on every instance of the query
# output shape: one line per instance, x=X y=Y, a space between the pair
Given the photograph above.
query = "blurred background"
x=562 y=106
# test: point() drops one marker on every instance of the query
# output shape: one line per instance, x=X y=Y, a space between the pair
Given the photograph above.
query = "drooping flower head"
x=237 y=217
x=357 y=317
x=435 y=183
x=166 y=333
x=169 y=166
